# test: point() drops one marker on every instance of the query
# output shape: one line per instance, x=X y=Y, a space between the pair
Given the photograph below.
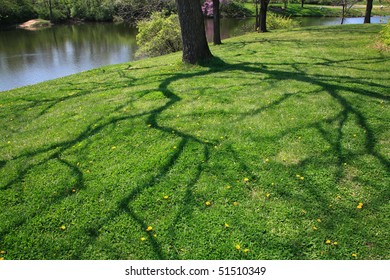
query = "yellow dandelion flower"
x=268 y=195
x=266 y=160
x=238 y=247
x=235 y=203
x=360 y=205
x=113 y=148
x=226 y=225
x=315 y=228
x=154 y=235
x=1 y=259
x=335 y=243
x=228 y=187
x=302 y=178
x=328 y=242
x=246 y=250
x=62 y=227
x=354 y=255
x=298 y=176
x=166 y=197
x=74 y=190
x=143 y=238
x=149 y=228
x=319 y=220
x=149 y=125
x=208 y=203
x=246 y=180
x=3 y=252
x=174 y=147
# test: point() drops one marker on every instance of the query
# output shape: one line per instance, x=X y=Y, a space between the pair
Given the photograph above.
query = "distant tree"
x=346 y=5
x=257 y=26
x=285 y=4
x=50 y=10
x=134 y=10
x=367 y=17
x=195 y=46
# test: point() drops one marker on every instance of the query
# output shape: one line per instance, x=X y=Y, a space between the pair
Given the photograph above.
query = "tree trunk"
x=367 y=18
x=216 y=20
x=195 y=47
x=50 y=11
x=257 y=15
x=263 y=15
x=302 y=3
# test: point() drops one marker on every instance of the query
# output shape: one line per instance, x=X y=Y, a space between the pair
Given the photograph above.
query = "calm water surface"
x=29 y=57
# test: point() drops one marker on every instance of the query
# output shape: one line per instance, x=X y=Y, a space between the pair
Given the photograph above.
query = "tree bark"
x=367 y=18
x=50 y=11
x=263 y=15
x=257 y=15
x=195 y=46
x=216 y=21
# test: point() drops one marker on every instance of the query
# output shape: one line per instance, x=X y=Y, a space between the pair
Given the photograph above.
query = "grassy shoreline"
x=277 y=149
x=311 y=10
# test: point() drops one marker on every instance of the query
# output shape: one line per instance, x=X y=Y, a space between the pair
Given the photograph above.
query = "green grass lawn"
x=277 y=149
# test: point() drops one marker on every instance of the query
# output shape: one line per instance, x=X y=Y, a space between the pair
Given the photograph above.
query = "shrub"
x=385 y=34
x=280 y=22
x=159 y=35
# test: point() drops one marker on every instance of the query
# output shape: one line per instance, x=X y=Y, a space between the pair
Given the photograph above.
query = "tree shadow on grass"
x=125 y=205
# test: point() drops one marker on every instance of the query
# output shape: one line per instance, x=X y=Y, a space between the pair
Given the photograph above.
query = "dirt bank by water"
x=35 y=24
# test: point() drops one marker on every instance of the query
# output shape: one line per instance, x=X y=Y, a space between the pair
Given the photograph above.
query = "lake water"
x=29 y=57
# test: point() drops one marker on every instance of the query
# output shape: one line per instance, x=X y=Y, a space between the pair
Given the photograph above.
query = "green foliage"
x=280 y=22
x=15 y=11
x=385 y=34
x=96 y=10
x=102 y=10
x=134 y=10
x=234 y=9
x=159 y=35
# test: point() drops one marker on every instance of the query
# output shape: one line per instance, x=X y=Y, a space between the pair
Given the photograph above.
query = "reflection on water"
x=28 y=57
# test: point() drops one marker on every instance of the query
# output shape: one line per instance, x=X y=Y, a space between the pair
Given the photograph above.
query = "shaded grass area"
x=279 y=145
